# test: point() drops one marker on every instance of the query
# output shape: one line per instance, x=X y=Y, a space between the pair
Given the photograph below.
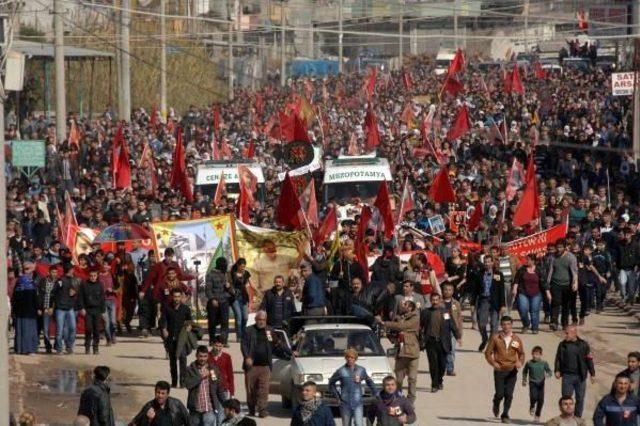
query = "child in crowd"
x=536 y=369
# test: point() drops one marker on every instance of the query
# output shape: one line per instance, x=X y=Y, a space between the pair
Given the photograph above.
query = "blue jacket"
x=322 y=417
x=313 y=293
x=351 y=392
x=610 y=412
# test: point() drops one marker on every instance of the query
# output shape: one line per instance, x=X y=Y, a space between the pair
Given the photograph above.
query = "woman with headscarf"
x=24 y=308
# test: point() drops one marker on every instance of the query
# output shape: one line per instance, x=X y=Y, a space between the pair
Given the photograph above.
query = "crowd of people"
x=576 y=134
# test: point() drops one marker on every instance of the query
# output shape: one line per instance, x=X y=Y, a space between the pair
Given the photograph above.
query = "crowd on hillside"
x=578 y=135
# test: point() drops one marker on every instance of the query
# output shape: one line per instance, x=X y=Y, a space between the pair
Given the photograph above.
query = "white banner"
x=622 y=83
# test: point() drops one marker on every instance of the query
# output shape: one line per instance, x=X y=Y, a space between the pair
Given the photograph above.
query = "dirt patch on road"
x=52 y=392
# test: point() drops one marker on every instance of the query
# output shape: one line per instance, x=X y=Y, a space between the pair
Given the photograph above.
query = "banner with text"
x=536 y=243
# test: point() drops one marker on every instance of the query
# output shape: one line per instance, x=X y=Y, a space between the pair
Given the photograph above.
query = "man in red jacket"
x=156 y=278
x=223 y=361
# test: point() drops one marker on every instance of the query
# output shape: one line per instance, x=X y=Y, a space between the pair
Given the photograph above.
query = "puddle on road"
x=70 y=381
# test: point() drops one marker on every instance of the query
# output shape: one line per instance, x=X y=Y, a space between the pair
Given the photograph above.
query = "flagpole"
x=306 y=221
x=404 y=191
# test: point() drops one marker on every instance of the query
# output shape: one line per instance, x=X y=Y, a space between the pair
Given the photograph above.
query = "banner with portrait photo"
x=269 y=252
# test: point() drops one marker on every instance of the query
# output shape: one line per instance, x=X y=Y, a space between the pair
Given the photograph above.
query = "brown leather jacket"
x=506 y=357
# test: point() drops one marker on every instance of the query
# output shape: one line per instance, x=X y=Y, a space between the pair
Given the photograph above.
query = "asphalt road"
x=466 y=399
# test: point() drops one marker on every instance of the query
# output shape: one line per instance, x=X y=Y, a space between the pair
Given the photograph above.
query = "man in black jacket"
x=257 y=347
x=278 y=303
x=437 y=328
x=162 y=410
x=490 y=297
x=574 y=362
x=45 y=310
x=198 y=378
x=217 y=290
x=92 y=305
x=172 y=321
x=63 y=301
x=95 y=401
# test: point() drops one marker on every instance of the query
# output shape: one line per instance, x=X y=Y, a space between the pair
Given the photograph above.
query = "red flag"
x=441 y=190
x=216 y=122
x=74 y=134
x=516 y=84
x=476 y=217
x=457 y=64
x=224 y=153
x=528 y=208
x=309 y=205
x=288 y=205
x=221 y=190
x=153 y=120
x=118 y=142
x=370 y=82
x=406 y=202
x=452 y=86
x=123 y=172
x=371 y=130
x=461 y=125
x=250 y=152
x=148 y=165
x=250 y=182
x=407 y=80
x=300 y=132
x=515 y=179
x=407 y=115
x=540 y=73
x=179 y=177
x=68 y=221
x=242 y=204
x=328 y=226
x=258 y=103
x=360 y=245
x=384 y=207
x=583 y=24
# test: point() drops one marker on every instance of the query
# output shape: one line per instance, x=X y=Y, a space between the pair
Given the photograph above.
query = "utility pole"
x=455 y=24
x=61 y=95
x=125 y=108
x=526 y=25
x=283 y=77
x=340 y=36
x=400 y=33
x=163 y=59
x=636 y=81
x=230 y=37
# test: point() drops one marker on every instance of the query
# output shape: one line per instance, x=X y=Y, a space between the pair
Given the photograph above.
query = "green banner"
x=27 y=153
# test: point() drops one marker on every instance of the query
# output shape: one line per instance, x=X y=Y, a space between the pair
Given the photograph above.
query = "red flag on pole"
x=216 y=122
x=288 y=205
x=461 y=125
x=370 y=82
x=179 y=177
x=309 y=205
x=384 y=207
x=221 y=190
x=452 y=86
x=457 y=64
x=123 y=172
x=441 y=190
x=250 y=182
x=407 y=79
x=360 y=245
x=74 y=134
x=225 y=150
x=250 y=152
x=328 y=226
x=153 y=120
x=528 y=208
x=118 y=142
x=371 y=130
x=406 y=202
x=242 y=204
x=476 y=217
x=516 y=84
x=539 y=72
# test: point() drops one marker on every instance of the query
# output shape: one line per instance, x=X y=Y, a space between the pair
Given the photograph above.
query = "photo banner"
x=202 y=240
x=269 y=252
x=536 y=243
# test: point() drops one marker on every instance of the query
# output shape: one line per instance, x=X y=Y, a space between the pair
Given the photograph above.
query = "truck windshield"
x=346 y=191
